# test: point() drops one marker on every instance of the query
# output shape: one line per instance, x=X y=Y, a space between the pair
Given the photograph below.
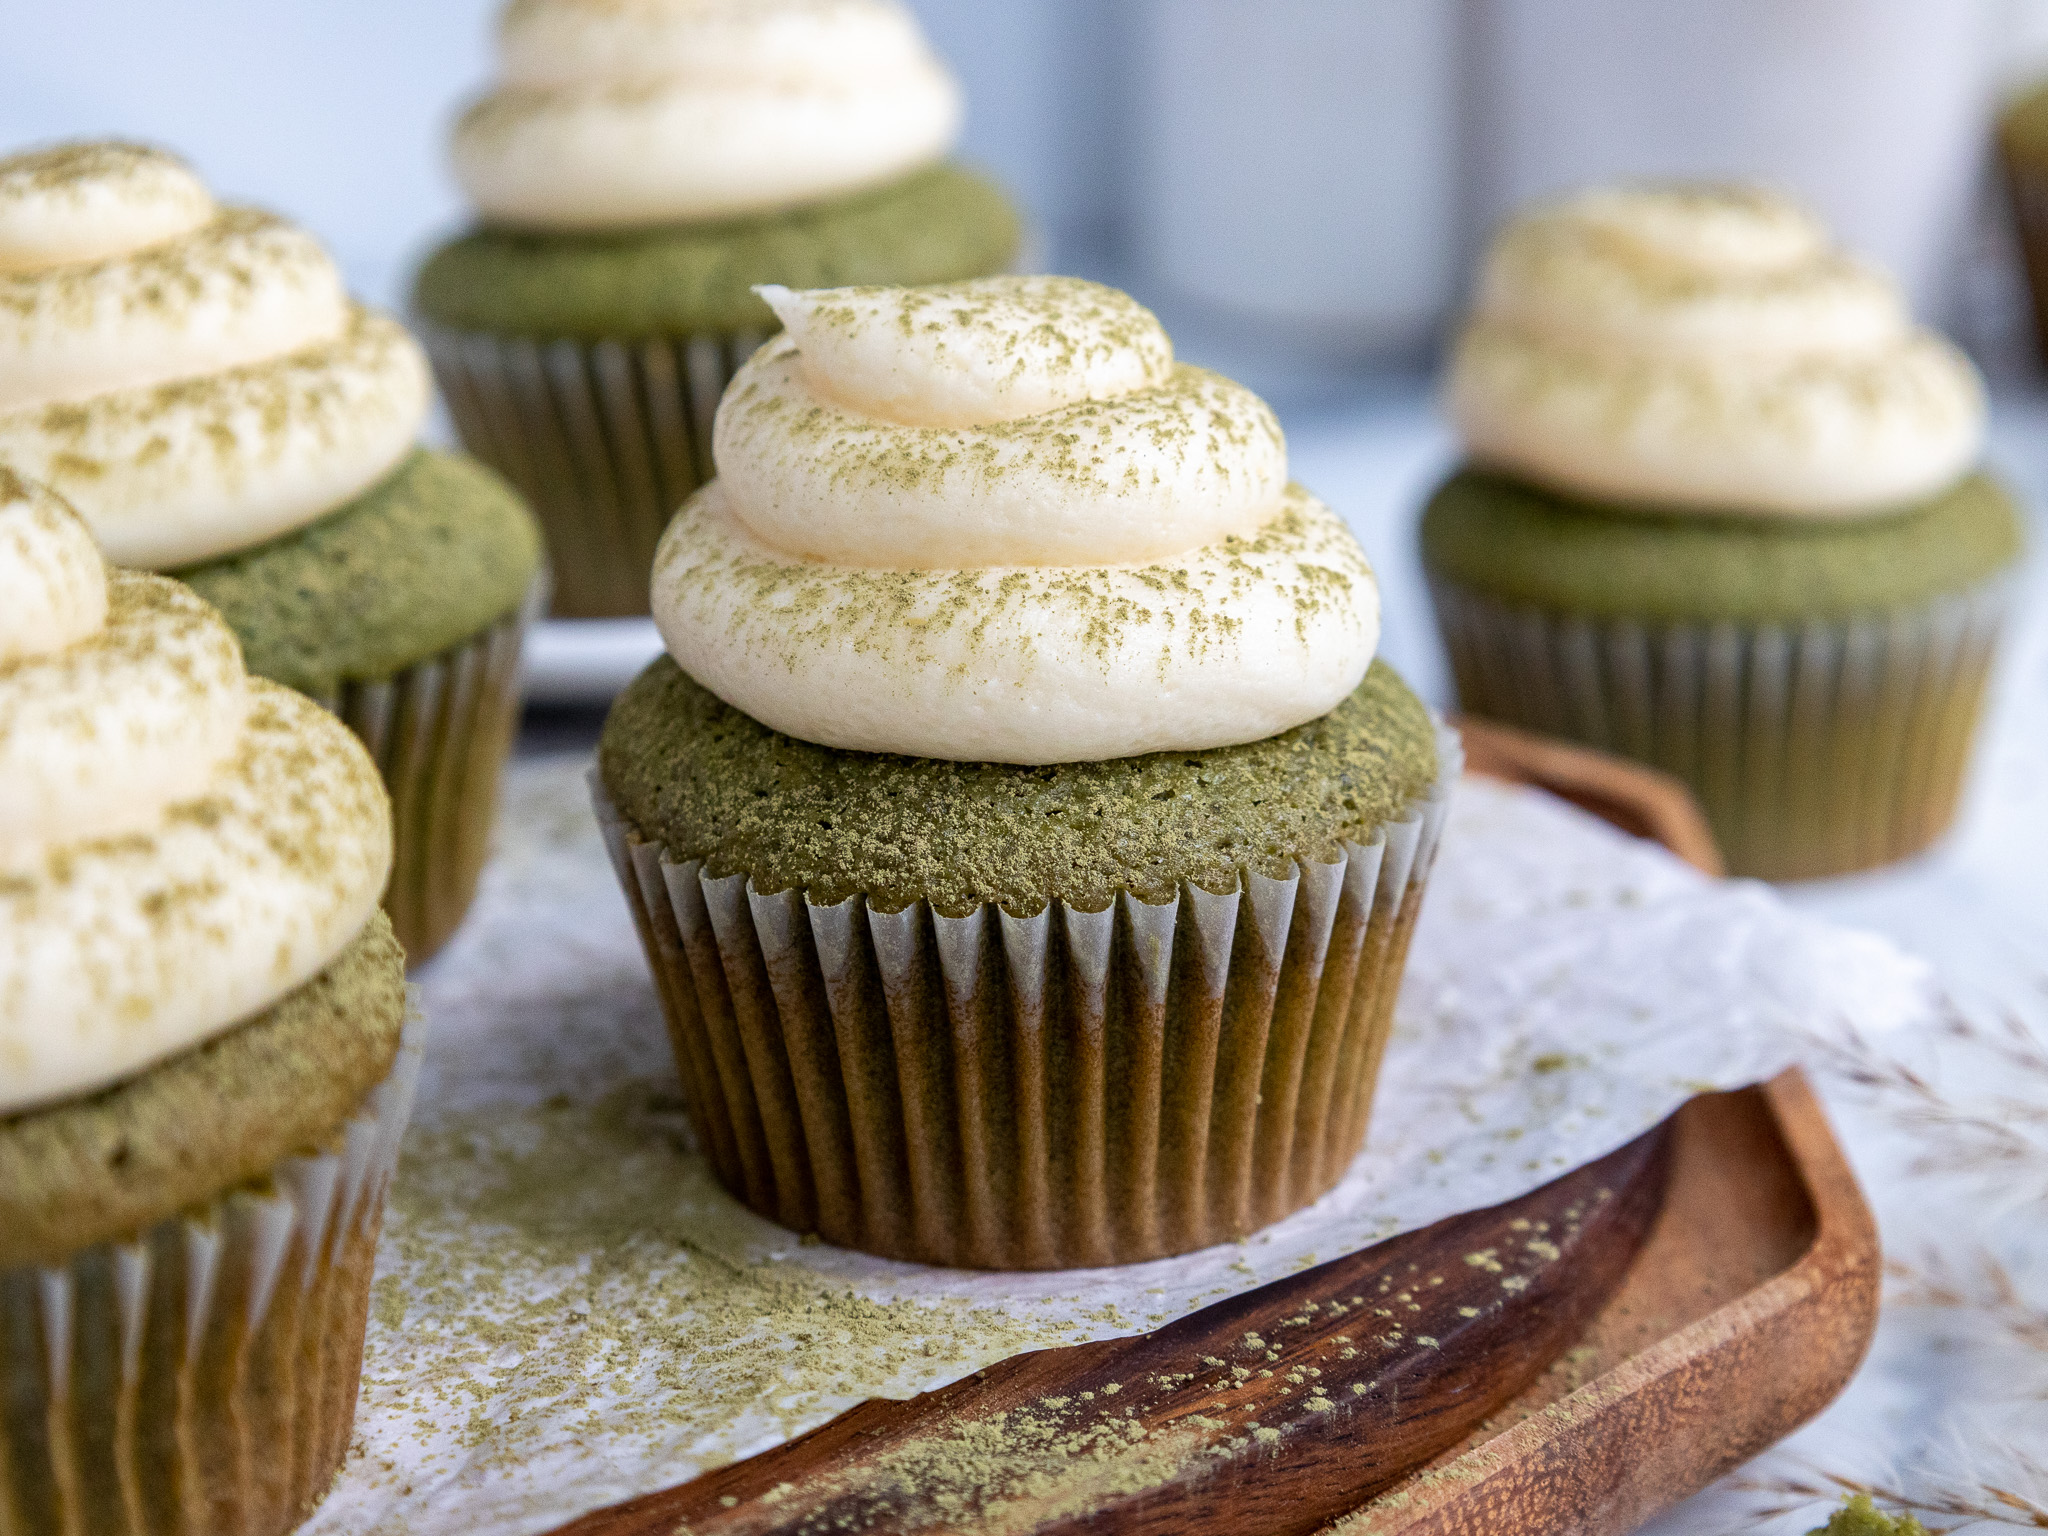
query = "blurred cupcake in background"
x=1023 y=836
x=2023 y=154
x=194 y=379
x=1722 y=512
x=638 y=168
x=204 y=1069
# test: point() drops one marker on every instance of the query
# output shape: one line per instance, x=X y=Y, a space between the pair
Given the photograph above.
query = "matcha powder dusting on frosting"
x=993 y=521
x=193 y=378
x=181 y=845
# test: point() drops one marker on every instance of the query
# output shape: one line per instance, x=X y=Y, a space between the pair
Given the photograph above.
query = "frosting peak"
x=968 y=354
x=180 y=845
x=797 y=43
x=995 y=520
x=108 y=712
x=86 y=202
x=192 y=378
x=1706 y=346
x=1024 y=421
x=616 y=113
x=1711 y=229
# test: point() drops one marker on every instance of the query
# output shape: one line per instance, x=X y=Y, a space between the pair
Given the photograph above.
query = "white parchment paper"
x=570 y=1312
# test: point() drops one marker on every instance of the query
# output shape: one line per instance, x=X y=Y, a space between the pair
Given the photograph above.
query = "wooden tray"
x=1746 y=1313
x=1724 y=1297
x=1641 y=801
x=1748 y=1310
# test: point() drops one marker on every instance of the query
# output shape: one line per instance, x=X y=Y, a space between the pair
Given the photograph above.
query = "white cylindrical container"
x=1295 y=165
x=1873 y=111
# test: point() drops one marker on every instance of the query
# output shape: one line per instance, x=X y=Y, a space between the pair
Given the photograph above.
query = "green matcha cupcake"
x=1024 y=841
x=195 y=380
x=1722 y=514
x=207 y=1064
x=636 y=172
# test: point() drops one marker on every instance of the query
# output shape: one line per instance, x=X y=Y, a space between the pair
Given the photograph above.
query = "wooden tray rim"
x=1842 y=1260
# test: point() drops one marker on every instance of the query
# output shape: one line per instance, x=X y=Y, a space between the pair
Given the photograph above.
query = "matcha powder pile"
x=575 y=1266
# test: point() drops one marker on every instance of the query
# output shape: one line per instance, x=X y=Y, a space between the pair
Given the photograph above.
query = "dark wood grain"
x=1747 y=1312
x=1271 y=1412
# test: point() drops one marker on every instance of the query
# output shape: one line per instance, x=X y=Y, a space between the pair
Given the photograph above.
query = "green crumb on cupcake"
x=439 y=551
x=1523 y=545
x=709 y=782
x=936 y=226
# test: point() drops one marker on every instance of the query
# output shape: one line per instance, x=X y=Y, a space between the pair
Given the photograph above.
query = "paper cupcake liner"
x=1074 y=1088
x=440 y=732
x=604 y=439
x=1814 y=749
x=202 y=1378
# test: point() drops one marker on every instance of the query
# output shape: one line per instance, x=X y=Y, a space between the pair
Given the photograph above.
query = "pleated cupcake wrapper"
x=605 y=439
x=1814 y=749
x=440 y=732
x=202 y=1378
x=1073 y=1088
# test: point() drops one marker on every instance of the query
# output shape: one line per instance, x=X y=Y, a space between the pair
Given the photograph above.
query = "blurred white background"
x=331 y=113
x=337 y=114
x=1300 y=178
x=1297 y=185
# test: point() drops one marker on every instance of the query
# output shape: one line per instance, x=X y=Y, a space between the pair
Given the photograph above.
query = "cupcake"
x=204 y=1067
x=635 y=172
x=1023 y=838
x=195 y=381
x=1722 y=512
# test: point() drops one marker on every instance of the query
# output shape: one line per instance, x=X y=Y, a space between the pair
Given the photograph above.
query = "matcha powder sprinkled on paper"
x=557 y=1281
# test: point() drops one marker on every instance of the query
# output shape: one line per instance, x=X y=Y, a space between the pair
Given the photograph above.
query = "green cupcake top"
x=709 y=782
x=1522 y=544
x=105 y=1167
x=437 y=552
x=936 y=226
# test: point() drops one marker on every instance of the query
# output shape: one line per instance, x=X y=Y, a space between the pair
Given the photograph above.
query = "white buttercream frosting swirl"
x=86 y=202
x=180 y=844
x=1706 y=347
x=617 y=113
x=995 y=521
x=53 y=588
x=193 y=378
